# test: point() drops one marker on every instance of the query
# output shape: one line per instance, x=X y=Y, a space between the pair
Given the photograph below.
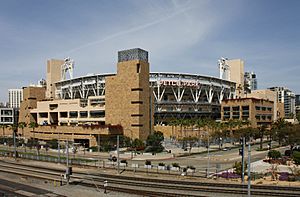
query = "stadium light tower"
x=68 y=66
x=224 y=69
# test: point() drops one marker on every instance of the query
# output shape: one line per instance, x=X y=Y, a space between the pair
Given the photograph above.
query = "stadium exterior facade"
x=93 y=108
x=175 y=95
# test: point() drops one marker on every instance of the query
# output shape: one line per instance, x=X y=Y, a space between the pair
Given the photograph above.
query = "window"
x=236 y=108
x=136 y=89
x=137 y=125
x=43 y=115
x=245 y=108
x=138 y=68
x=257 y=107
x=136 y=102
x=226 y=108
x=63 y=114
x=73 y=114
x=97 y=114
x=136 y=115
x=83 y=114
x=263 y=108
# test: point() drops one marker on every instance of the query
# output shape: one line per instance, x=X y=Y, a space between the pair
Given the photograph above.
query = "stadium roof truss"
x=174 y=94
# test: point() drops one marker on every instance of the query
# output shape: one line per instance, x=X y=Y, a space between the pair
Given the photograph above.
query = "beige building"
x=258 y=111
x=124 y=109
x=271 y=96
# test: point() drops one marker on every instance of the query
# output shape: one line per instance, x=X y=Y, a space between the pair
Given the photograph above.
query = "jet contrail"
x=134 y=29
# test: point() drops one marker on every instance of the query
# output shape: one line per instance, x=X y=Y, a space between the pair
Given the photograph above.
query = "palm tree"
x=13 y=127
x=3 y=126
x=279 y=129
x=261 y=132
x=180 y=122
x=33 y=125
x=173 y=123
x=22 y=125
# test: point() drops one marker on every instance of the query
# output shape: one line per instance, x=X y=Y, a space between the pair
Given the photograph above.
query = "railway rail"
x=148 y=186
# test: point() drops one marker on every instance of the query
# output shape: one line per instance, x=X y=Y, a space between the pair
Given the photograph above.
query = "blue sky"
x=181 y=36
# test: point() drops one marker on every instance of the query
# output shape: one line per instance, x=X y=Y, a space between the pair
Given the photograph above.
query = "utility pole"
x=98 y=149
x=243 y=162
x=249 y=170
x=68 y=169
x=15 y=144
x=58 y=148
x=118 y=153
x=208 y=157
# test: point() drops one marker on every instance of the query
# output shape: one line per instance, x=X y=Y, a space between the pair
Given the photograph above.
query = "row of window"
x=74 y=114
x=263 y=117
x=236 y=108
x=262 y=108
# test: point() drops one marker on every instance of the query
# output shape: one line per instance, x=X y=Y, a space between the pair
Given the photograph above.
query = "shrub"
x=93 y=148
x=291 y=178
x=191 y=167
x=147 y=162
x=175 y=165
x=154 y=142
x=161 y=164
x=123 y=161
x=53 y=144
x=238 y=168
x=274 y=154
x=284 y=176
x=229 y=175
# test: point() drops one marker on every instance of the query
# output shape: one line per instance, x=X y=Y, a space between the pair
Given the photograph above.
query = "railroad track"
x=143 y=186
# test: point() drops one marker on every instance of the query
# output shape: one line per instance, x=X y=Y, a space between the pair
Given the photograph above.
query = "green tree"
x=296 y=157
x=260 y=133
x=125 y=141
x=233 y=124
x=173 y=123
x=274 y=154
x=138 y=144
x=22 y=125
x=53 y=143
x=189 y=141
x=33 y=125
x=154 y=142
x=32 y=143
x=280 y=130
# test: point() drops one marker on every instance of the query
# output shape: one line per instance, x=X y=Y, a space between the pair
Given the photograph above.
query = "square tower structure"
x=127 y=94
x=54 y=74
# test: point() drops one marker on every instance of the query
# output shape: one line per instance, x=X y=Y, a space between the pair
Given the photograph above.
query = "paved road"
x=224 y=159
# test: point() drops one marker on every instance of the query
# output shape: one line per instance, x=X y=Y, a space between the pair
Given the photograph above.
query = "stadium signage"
x=179 y=83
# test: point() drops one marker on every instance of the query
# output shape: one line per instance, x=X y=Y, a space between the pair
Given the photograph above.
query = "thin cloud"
x=131 y=30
